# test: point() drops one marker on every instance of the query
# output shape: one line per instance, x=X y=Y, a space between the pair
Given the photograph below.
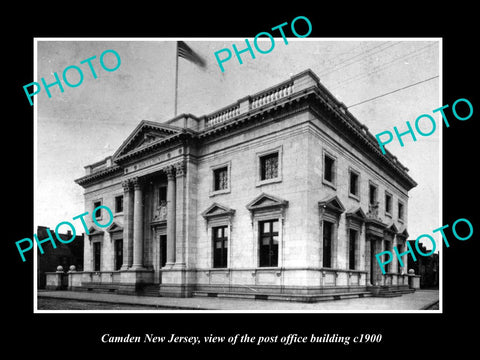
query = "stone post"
x=180 y=212
x=171 y=215
x=128 y=225
x=138 y=226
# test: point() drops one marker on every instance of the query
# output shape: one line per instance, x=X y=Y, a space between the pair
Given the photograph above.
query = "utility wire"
x=391 y=92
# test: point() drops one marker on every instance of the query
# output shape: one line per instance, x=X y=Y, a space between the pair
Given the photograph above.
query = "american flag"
x=184 y=51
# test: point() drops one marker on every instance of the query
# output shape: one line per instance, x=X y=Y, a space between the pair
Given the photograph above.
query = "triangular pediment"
x=115 y=227
x=404 y=233
x=217 y=210
x=357 y=214
x=392 y=228
x=264 y=201
x=92 y=231
x=144 y=135
x=332 y=203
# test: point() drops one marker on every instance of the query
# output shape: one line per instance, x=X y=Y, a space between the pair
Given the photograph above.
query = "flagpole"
x=176 y=76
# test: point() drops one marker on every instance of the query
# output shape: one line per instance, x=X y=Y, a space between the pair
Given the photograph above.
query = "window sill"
x=353 y=196
x=329 y=184
x=219 y=192
x=268 y=181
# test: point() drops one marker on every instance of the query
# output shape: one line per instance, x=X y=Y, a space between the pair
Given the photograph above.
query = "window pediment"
x=114 y=228
x=216 y=210
x=92 y=232
x=265 y=201
x=332 y=204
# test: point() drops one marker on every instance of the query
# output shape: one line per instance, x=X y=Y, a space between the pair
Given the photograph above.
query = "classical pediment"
x=332 y=203
x=356 y=214
x=144 y=135
x=404 y=233
x=92 y=231
x=265 y=201
x=392 y=228
x=217 y=210
x=114 y=228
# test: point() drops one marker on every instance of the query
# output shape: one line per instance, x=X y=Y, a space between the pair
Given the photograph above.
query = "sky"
x=87 y=123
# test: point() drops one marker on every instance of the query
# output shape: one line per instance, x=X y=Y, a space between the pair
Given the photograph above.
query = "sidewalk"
x=419 y=300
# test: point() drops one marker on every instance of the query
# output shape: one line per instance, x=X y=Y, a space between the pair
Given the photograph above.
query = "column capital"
x=170 y=171
x=127 y=185
x=136 y=183
x=180 y=168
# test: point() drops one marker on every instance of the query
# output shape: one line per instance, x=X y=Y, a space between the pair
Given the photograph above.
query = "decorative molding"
x=170 y=171
x=180 y=168
x=217 y=210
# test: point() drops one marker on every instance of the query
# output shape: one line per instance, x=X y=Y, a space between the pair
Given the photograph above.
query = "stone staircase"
x=390 y=291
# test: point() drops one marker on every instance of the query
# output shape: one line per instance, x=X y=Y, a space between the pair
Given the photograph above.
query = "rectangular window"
x=220 y=178
x=354 y=183
x=329 y=169
x=327 y=243
x=162 y=195
x=220 y=246
x=98 y=213
x=352 y=248
x=96 y=255
x=388 y=203
x=268 y=242
x=400 y=211
x=118 y=254
x=269 y=166
x=372 y=194
x=119 y=204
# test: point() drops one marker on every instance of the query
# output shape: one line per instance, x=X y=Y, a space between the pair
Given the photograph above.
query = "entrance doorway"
x=163 y=250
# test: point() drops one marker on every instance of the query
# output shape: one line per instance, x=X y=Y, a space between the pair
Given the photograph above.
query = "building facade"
x=283 y=193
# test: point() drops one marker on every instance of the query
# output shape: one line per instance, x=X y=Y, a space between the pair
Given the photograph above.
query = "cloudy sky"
x=85 y=124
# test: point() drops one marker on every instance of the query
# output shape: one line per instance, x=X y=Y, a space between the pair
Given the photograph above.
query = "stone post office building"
x=283 y=194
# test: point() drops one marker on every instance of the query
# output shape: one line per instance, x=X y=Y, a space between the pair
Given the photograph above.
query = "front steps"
x=390 y=291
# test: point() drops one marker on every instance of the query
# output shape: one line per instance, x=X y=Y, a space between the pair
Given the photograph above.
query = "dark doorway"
x=163 y=250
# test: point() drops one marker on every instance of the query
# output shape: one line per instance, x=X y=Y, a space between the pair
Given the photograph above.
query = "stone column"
x=171 y=216
x=137 y=226
x=127 y=225
x=180 y=169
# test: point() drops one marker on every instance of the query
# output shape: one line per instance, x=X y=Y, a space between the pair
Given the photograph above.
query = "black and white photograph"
x=191 y=181
x=254 y=186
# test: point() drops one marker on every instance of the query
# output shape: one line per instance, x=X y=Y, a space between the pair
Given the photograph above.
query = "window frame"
x=96 y=244
x=388 y=213
x=402 y=204
x=374 y=185
x=117 y=202
x=270 y=235
x=258 y=166
x=355 y=244
x=115 y=255
x=100 y=201
x=333 y=183
x=224 y=249
x=330 y=247
x=350 y=194
x=214 y=168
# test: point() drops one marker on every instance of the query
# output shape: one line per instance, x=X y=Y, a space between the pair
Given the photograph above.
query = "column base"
x=137 y=276
x=136 y=267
